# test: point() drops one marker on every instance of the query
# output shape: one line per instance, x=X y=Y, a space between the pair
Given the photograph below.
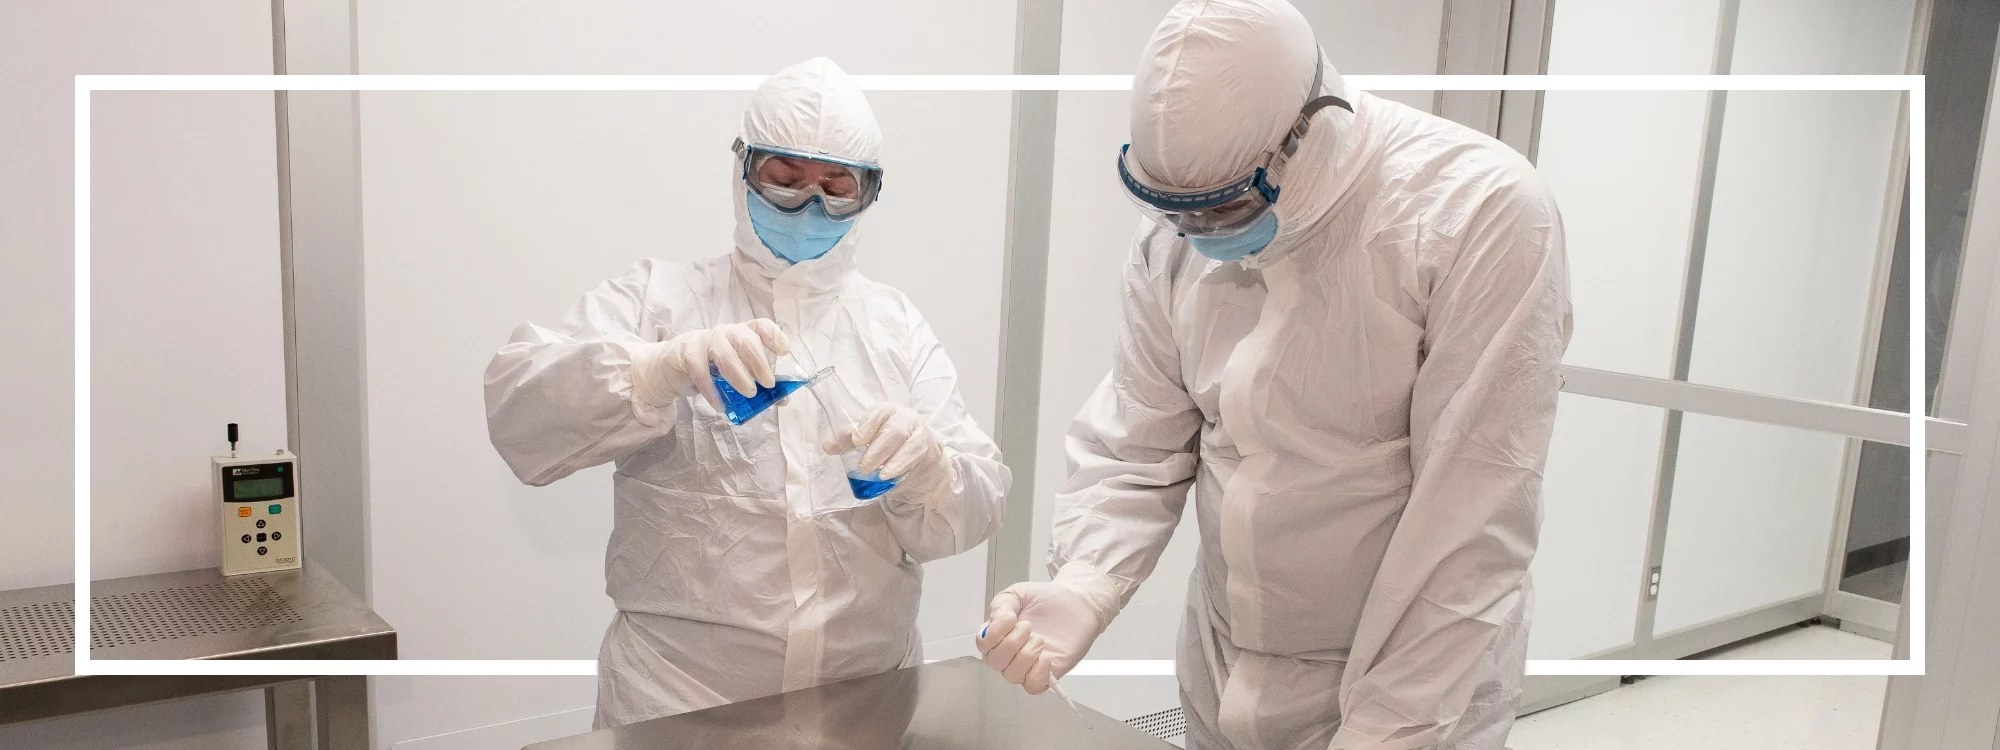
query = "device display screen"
x=258 y=489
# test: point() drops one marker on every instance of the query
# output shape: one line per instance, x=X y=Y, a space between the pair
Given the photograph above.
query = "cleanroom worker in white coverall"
x=740 y=561
x=1342 y=325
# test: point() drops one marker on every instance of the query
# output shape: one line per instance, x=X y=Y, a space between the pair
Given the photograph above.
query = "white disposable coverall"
x=1363 y=409
x=740 y=564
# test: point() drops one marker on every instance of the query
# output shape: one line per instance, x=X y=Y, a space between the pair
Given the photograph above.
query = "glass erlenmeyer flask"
x=793 y=371
x=867 y=485
x=839 y=408
x=740 y=408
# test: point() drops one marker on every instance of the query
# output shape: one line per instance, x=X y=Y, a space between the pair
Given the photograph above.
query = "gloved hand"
x=900 y=444
x=1037 y=632
x=678 y=367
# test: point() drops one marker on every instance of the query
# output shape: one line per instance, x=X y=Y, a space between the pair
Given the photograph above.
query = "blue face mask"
x=795 y=237
x=1242 y=244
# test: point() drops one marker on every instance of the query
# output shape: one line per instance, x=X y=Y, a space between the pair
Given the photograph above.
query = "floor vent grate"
x=1168 y=723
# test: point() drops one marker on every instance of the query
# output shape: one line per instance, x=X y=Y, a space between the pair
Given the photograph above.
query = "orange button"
x=243 y=512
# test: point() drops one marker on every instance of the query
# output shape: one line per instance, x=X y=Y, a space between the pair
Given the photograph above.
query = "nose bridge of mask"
x=1240 y=245
x=799 y=236
x=794 y=200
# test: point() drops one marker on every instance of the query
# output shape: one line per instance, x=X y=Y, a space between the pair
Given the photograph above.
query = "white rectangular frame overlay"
x=1912 y=85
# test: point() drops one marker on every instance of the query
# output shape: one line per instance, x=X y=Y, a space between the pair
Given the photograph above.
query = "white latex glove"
x=900 y=444
x=1037 y=632
x=678 y=367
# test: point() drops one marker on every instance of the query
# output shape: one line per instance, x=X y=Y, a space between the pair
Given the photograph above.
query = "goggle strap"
x=1312 y=107
x=1305 y=119
x=1264 y=186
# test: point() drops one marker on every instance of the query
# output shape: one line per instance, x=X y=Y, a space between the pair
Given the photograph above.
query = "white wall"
x=605 y=36
x=482 y=210
x=1359 y=37
x=1751 y=520
x=184 y=185
x=1802 y=212
x=1791 y=253
x=1822 y=37
x=1622 y=166
x=1091 y=232
x=187 y=328
x=1597 y=494
x=1801 y=205
x=478 y=713
x=185 y=236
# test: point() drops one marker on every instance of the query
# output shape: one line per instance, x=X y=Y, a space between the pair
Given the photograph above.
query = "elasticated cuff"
x=1097 y=589
x=934 y=488
x=652 y=403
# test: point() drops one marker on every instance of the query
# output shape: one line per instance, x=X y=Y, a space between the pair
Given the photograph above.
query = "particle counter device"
x=258 y=502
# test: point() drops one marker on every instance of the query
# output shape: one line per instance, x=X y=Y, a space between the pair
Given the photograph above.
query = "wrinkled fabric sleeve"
x=559 y=400
x=1132 y=448
x=972 y=513
x=1482 y=412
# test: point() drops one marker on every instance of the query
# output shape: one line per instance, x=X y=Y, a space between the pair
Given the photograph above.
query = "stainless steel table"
x=196 y=614
x=958 y=705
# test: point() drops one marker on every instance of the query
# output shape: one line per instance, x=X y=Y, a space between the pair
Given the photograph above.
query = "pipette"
x=1057 y=686
x=1053 y=683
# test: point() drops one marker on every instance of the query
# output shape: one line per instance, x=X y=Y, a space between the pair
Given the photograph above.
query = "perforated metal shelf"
x=35 y=630
x=231 y=605
x=194 y=614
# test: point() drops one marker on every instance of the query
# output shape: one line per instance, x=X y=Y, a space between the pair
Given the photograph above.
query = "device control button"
x=276 y=535
x=246 y=538
x=263 y=550
x=260 y=523
x=275 y=509
x=243 y=512
x=261 y=538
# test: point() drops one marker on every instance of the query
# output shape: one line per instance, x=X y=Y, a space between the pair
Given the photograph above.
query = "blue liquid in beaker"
x=869 y=485
x=740 y=408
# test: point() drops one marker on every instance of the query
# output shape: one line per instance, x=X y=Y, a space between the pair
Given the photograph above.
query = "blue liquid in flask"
x=740 y=408
x=869 y=485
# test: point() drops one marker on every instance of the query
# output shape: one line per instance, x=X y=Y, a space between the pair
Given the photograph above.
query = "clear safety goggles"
x=790 y=180
x=1215 y=212
x=1235 y=205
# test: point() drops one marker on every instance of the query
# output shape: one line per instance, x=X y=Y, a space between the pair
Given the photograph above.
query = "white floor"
x=1727 y=713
